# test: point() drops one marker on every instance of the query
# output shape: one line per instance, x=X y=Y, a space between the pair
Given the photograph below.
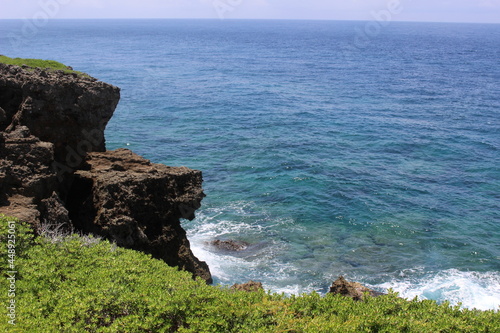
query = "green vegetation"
x=83 y=284
x=50 y=65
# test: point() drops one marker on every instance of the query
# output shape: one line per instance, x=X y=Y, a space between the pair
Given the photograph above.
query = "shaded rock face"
x=68 y=110
x=26 y=175
x=26 y=164
x=54 y=168
x=353 y=290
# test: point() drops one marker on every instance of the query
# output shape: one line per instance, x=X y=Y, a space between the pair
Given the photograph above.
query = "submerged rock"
x=229 y=245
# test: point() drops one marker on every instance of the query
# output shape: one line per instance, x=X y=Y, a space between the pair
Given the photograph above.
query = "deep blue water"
x=378 y=160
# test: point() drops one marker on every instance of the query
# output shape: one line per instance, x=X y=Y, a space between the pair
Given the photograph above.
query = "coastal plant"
x=49 y=65
x=13 y=229
x=77 y=285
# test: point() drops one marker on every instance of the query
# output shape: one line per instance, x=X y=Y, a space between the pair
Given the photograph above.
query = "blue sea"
x=332 y=148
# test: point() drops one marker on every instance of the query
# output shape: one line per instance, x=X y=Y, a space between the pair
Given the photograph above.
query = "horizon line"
x=243 y=19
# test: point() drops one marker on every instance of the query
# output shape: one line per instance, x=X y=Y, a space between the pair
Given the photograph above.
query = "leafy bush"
x=77 y=285
x=15 y=236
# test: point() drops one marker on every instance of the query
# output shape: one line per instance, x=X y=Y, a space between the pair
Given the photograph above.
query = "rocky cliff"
x=54 y=168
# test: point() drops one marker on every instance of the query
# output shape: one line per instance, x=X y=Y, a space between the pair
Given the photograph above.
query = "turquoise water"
x=379 y=161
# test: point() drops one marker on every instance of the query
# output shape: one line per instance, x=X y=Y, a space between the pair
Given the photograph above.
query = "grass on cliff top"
x=80 y=284
x=50 y=65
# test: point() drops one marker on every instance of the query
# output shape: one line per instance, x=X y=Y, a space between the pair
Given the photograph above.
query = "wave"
x=278 y=259
x=262 y=261
x=473 y=290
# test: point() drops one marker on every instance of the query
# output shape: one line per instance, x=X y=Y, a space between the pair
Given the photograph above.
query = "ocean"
x=330 y=147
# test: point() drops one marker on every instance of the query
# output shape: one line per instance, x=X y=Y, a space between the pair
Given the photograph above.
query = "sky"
x=478 y=11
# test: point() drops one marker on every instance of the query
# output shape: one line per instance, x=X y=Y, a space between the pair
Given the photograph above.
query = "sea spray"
x=470 y=289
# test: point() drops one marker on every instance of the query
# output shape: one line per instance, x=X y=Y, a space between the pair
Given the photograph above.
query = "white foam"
x=267 y=265
x=263 y=260
x=470 y=289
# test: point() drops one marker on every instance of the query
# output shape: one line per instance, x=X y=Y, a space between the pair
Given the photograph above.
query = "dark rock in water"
x=353 y=290
x=250 y=286
x=54 y=168
x=229 y=245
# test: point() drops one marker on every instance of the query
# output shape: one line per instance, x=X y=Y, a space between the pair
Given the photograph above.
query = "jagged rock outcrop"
x=49 y=120
x=124 y=197
x=69 y=110
x=353 y=290
x=54 y=168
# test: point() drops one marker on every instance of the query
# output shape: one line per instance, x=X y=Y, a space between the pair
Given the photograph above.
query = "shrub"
x=77 y=285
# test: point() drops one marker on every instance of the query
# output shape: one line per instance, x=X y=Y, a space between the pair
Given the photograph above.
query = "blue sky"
x=400 y=10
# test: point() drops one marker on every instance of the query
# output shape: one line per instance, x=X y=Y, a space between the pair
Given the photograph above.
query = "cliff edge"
x=54 y=168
